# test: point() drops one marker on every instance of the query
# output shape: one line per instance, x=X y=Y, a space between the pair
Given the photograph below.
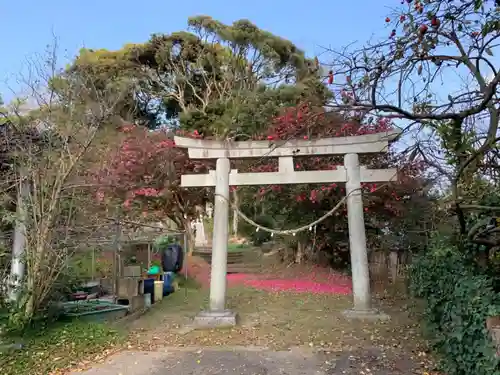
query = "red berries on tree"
x=435 y=22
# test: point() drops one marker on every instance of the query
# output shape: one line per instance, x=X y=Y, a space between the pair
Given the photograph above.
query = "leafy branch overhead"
x=401 y=76
x=437 y=73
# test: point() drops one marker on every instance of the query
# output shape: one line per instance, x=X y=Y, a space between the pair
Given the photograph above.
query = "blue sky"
x=28 y=27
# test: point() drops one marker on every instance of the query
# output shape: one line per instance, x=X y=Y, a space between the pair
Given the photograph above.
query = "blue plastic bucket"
x=149 y=287
x=168 y=278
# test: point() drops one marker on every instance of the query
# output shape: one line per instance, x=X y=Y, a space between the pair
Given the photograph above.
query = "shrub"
x=458 y=299
x=258 y=237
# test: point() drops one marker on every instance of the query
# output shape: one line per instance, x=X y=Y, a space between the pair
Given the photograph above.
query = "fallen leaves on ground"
x=277 y=320
x=282 y=320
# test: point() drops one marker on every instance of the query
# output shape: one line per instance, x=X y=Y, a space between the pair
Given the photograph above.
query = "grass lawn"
x=234 y=247
x=57 y=347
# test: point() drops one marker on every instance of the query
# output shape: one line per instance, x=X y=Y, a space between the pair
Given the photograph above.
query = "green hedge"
x=458 y=299
x=258 y=237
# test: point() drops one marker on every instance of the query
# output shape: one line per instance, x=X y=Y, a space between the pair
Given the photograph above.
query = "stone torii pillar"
x=352 y=174
x=220 y=239
x=357 y=235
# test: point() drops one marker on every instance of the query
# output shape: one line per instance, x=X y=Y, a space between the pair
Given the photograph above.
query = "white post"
x=17 y=268
x=220 y=237
x=235 y=213
x=149 y=255
x=357 y=235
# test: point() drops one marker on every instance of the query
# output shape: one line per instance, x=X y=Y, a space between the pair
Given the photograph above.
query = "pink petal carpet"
x=314 y=280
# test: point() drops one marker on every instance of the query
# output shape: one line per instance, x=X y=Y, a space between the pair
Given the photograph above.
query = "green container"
x=94 y=311
x=154 y=270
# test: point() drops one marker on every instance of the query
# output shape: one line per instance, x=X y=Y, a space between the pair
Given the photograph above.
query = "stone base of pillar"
x=371 y=314
x=215 y=319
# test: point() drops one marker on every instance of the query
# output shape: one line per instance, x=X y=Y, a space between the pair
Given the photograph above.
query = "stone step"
x=231 y=257
x=244 y=269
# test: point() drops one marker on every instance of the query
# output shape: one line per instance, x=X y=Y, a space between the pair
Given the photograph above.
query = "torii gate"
x=352 y=174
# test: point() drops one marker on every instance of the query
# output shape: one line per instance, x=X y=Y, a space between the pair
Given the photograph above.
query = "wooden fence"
x=388 y=268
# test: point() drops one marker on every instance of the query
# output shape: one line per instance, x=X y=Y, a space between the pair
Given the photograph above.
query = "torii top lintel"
x=360 y=144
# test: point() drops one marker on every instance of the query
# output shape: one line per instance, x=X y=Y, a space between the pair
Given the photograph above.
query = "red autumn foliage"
x=300 y=204
x=142 y=173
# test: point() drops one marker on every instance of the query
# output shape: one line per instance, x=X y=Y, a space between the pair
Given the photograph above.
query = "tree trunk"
x=299 y=254
x=32 y=279
x=189 y=236
x=483 y=258
x=29 y=308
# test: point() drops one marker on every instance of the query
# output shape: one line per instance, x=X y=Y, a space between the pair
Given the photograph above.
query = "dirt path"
x=247 y=361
